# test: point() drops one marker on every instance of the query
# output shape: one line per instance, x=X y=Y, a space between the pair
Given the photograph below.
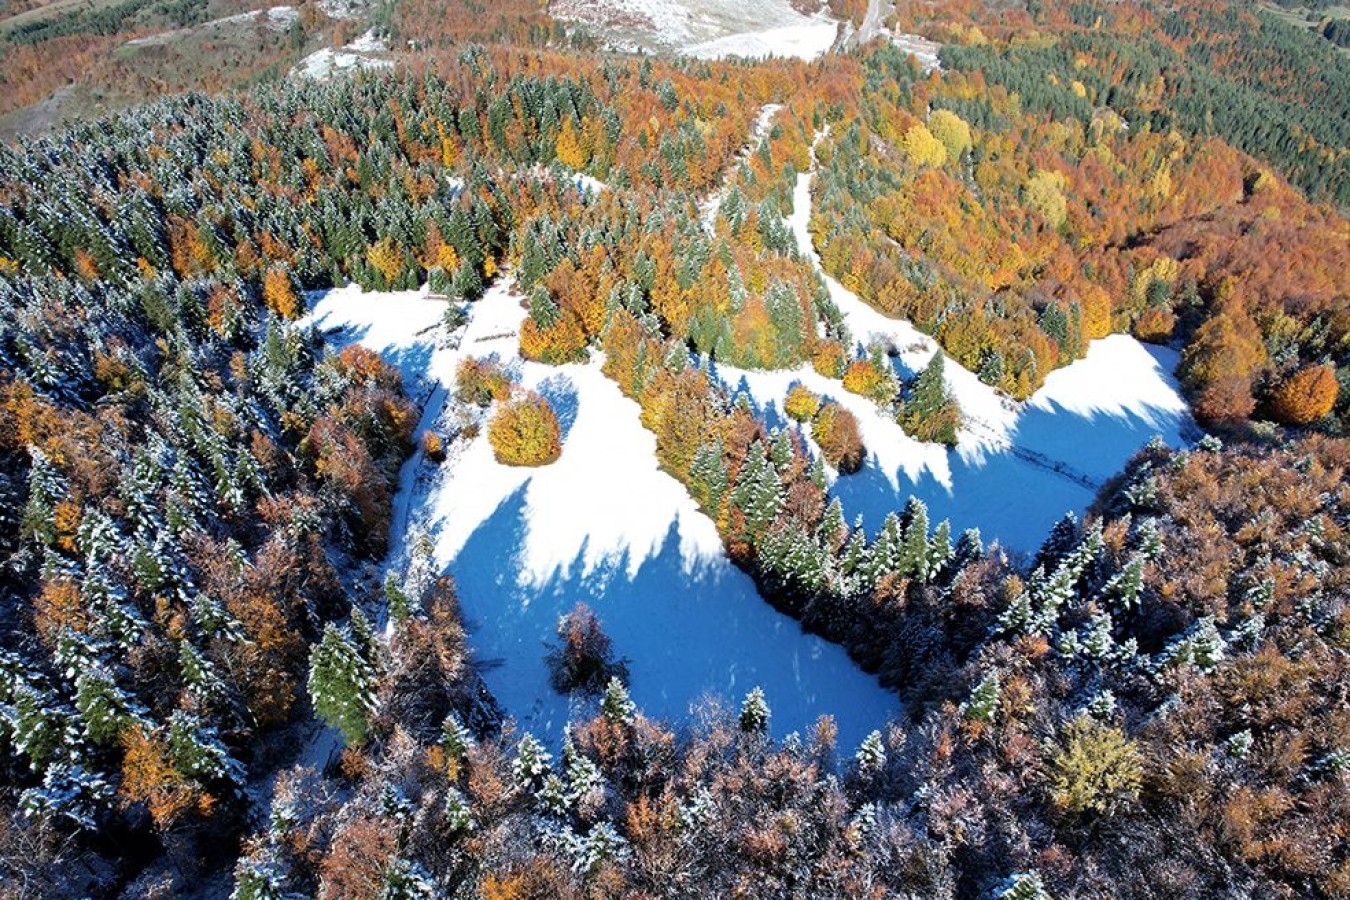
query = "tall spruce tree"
x=342 y=684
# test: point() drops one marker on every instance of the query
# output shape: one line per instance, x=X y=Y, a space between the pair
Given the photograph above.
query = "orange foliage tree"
x=835 y=430
x=1306 y=396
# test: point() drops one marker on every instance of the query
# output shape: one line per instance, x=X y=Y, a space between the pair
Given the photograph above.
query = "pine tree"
x=709 y=478
x=258 y=879
x=929 y=413
x=455 y=738
x=871 y=755
x=1024 y=886
x=914 y=545
x=404 y=880
x=531 y=763
x=616 y=706
x=1062 y=539
x=940 y=548
x=102 y=705
x=886 y=555
x=755 y=712
x=70 y=792
x=197 y=750
x=982 y=704
x=758 y=493
x=583 y=775
x=458 y=814
x=395 y=600
x=342 y=685
x=1127 y=584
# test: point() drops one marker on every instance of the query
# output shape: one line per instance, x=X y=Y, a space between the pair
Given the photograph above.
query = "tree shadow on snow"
x=688 y=630
x=562 y=395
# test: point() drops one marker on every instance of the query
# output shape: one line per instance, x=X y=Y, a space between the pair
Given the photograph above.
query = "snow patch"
x=343 y=9
x=925 y=52
x=276 y=18
x=369 y=42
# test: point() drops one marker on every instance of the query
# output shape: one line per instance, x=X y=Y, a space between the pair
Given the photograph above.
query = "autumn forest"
x=199 y=490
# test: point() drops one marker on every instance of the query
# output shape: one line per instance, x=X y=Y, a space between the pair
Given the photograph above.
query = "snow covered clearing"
x=324 y=64
x=602 y=525
x=708 y=29
x=1017 y=468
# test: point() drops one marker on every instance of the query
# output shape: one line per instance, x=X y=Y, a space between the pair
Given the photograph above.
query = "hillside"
x=658 y=449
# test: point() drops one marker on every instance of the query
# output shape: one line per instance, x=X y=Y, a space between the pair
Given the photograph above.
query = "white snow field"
x=707 y=29
x=1017 y=468
x=602 y=525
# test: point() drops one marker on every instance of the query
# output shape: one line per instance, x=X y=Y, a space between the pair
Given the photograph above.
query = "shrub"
x=836 y=432
x=480 y=381
x=525 y=432
x=801 y=403
x=433 y=446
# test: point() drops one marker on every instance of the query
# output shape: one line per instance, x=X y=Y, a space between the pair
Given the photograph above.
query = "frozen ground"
x=602 y=525
x=705 y=28
x=1017 y=467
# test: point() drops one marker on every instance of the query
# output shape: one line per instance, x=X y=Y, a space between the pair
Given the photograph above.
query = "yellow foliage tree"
x=801 y=403
x=149 y=777
x=525 y=432
x=1095 y=768
x=952 y=131
x=1044 y=192
x=387 y=258
x=866 y=378
x=571 y=152
x=279 y=293
x=827 y=358
x=1095 y=303
x=562 y=342
x=921 y=148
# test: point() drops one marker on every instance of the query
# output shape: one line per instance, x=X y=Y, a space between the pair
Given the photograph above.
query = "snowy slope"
x=602 y=525
x=1017 y=468
x=805 y=41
